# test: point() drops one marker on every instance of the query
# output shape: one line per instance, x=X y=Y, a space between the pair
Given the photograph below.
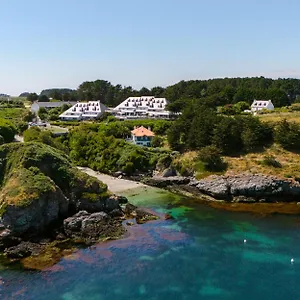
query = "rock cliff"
x=40 y=192
x=245 y=188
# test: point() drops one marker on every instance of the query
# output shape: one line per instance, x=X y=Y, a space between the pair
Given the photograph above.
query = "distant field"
x=276 y=117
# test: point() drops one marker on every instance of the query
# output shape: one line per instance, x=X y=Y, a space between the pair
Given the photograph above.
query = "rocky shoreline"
x=244 y=192
x=82 y=228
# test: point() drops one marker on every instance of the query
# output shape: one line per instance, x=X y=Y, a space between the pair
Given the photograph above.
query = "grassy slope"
x=29 y=170
x=279 y=116
x=252 y=163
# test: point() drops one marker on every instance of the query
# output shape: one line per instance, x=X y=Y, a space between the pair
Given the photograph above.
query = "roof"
x=54 y=104
x=144 y=102
x=142 y=131
x=261 y=103
x=86 y=109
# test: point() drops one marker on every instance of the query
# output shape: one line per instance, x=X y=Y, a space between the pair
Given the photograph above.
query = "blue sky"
x=61 y=43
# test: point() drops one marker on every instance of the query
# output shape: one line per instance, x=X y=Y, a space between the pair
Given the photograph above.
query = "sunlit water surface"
x=202 y=253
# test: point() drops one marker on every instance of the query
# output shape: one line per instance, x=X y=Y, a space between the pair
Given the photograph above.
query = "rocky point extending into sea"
x=243 y=192
x=48 y=206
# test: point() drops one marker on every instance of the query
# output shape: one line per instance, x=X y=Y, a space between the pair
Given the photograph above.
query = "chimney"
x=149 y=128
x=134 y=127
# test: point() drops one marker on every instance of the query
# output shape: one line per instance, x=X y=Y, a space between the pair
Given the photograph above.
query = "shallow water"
x=201 y=254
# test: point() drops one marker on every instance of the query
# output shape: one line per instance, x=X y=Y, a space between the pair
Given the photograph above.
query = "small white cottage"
x=258 y=105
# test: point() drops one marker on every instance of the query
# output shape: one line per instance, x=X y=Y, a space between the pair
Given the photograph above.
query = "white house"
x=142 y=108
x=84 y=111
x=142 y=136
x=258 y=105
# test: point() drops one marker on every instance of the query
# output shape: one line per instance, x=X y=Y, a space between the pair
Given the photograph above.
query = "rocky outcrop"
x=91 y=228
x=44 y=197
x=248 y=188
x=169 y=172
x=141 y=216
x=163 y=182
x=34 y=218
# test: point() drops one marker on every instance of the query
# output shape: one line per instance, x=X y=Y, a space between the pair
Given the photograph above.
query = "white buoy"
x=245 y=241
x=292 y=261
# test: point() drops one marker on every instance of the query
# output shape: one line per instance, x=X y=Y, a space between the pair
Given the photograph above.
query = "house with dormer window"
x=84 y=111
x=142 y=136
x=143 y=108
x=258 y=105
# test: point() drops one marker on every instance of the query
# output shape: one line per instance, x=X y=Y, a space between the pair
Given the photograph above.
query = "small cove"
x=200 y=254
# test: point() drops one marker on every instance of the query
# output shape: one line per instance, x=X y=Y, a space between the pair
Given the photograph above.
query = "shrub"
x=271 y=161
x=164 y=162
x=287 y=134
x=128 y=168
x=157 y=141
x=211 y=159
x=28 y=116
x=7 y=130
x=42 y=113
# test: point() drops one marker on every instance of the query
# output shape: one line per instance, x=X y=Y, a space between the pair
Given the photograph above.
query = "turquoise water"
x=201 y=254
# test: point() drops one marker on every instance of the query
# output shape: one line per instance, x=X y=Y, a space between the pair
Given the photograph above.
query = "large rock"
x=245 y=186
x=162 y=182
x=169 y=172
x=90 y=228
x=37 y=216
x=40 y=187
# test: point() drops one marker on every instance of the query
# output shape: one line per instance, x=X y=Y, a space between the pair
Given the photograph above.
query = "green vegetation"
x=31 y=170
x=102 y=150
x=35 y=134
x=16 y=116
x=214 y=92
x=7 y=131
x=53 y=113
x=211 y=159
x=200 y=126
x=271 y=161
x=287 y=134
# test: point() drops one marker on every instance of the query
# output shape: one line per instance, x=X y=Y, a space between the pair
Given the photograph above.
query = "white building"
x=258 y=105
x=84 y=111
x=142 y=108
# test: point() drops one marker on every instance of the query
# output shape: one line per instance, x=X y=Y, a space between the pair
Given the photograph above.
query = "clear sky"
x=61 y=43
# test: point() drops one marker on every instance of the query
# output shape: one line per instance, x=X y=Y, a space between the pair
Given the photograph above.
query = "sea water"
x=202 y=253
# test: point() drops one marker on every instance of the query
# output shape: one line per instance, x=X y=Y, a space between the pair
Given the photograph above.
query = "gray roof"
x=55 y=104
x=37 y=105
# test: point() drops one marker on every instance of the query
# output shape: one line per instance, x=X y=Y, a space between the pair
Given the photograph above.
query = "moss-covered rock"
x=39 y=186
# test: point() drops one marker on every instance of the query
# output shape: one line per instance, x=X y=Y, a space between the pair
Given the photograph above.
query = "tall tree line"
x=214 y=92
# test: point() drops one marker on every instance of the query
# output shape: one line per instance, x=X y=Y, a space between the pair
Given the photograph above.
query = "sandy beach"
x=116 y=185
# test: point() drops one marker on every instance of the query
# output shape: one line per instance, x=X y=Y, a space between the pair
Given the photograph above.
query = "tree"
x=227 y=136
x=211 y=159
x=157 y=91
x=32 y=97
x=157 y=141
x=43 y=113
x=7 y=130
x=144 y=92
x=287 y=134
x=43 y=98
x=241 y=106
x=28 y=116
